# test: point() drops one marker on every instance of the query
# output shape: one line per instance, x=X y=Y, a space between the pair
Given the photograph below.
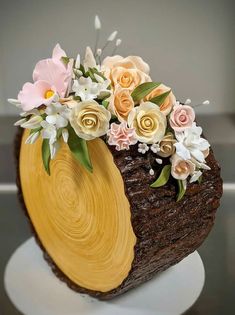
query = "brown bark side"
x=167 y=231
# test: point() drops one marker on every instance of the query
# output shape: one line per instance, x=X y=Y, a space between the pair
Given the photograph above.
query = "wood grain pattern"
x=82 y=219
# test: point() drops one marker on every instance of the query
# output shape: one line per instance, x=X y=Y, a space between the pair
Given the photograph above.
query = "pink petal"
x=58 y=52
x=54 y=73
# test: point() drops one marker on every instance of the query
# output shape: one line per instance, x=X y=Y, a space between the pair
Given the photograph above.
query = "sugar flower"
x=90 y=120
x=54 y=71
x=149 y=122
x=155 y=148
x=89 y=60
x=143 y=148
x=121 y=136
x=121 y=103
x=182 y=117
x=166 y=145
x=191 y=144
x=88 y=90
x=57 y=115
x=35 y=94
x=127 y=72
x=181 y=168
x=169 y=101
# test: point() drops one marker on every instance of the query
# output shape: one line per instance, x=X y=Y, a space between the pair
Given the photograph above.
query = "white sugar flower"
x=49 y=131
x=89 y=90
x=77 y=62
x=195 y=176
x=190 y=144
x=155 y=148
x=143 y=148
x=65 y=135
x=58 y=115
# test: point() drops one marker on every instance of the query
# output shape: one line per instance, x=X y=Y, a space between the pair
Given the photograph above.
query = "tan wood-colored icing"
x=82 y=219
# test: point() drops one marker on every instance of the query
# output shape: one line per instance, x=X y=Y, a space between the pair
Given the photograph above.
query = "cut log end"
x=83 y=220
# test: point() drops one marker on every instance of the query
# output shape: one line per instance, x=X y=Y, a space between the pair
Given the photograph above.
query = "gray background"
x=188 y=44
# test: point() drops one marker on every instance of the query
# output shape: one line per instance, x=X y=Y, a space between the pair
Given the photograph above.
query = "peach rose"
x=181 y=169
x=127 y=72
x=170 y=100
x=121 y=103
x=149 y=122
x=182 y=117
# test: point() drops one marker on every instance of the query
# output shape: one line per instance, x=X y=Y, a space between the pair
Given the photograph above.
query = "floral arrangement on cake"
x=76 y=101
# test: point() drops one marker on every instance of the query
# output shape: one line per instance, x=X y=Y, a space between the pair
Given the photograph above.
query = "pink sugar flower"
x=182 y=117
x=54 y=71
x=35 y=94
x=121 y=136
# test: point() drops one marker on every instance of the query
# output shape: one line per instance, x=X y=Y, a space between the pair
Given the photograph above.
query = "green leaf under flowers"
x=79 y=149
x=46 y=155
x=35 y=130
x=163 y=177
x=65 y=60
x=143 y=90
x=158 y=100
x=181 y=190
x=105 y=103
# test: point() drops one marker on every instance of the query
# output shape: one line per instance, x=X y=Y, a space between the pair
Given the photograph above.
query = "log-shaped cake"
x=107 y=232
x=113 y=172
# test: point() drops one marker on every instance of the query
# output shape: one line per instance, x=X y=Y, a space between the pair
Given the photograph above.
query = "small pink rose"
x=121 y=136
x=54 y=71
x=182 y=117
x=35 y=94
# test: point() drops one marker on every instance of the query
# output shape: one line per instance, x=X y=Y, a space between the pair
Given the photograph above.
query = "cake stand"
x=34 y=289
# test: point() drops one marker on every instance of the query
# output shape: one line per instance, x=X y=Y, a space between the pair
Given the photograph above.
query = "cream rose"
x=121 y=103
x=149 y=122
x=127 y=72
x=166 y=145
x=170 y=100
x=90 y=120
x=181 y=169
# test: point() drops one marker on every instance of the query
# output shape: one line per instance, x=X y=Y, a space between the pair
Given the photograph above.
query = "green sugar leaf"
x=181 y=190
x=143 y=90
x=163 y=177
x=46 y=155
x=79 y=149
x=158 y=100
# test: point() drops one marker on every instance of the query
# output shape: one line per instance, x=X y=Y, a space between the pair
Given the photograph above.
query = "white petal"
x=51 y=119
x=20 y=122
x=198 y=155
x=195 y=176
x=32 y=138
x=15 y=102
x=61 y=122
x=78 y=61
x=32 y=123
x=89 y=61
x=182 y=151
x=65 y=135
x=112 y=36
x=97 y=23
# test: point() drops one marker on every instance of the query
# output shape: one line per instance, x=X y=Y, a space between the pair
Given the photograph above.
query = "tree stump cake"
x=107 y=232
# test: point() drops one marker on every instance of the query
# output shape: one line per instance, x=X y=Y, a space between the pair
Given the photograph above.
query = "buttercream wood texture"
x=107 y=232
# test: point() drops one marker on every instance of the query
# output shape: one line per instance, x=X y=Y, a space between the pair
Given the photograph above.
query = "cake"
x=114 y=175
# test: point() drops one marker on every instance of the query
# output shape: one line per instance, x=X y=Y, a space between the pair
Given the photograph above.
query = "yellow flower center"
x=49 y=94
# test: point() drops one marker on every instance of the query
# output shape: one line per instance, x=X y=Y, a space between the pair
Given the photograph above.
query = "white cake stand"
x=34 y=290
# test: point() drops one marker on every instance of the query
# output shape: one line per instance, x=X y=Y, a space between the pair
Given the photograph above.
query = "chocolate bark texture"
x=166 y=231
